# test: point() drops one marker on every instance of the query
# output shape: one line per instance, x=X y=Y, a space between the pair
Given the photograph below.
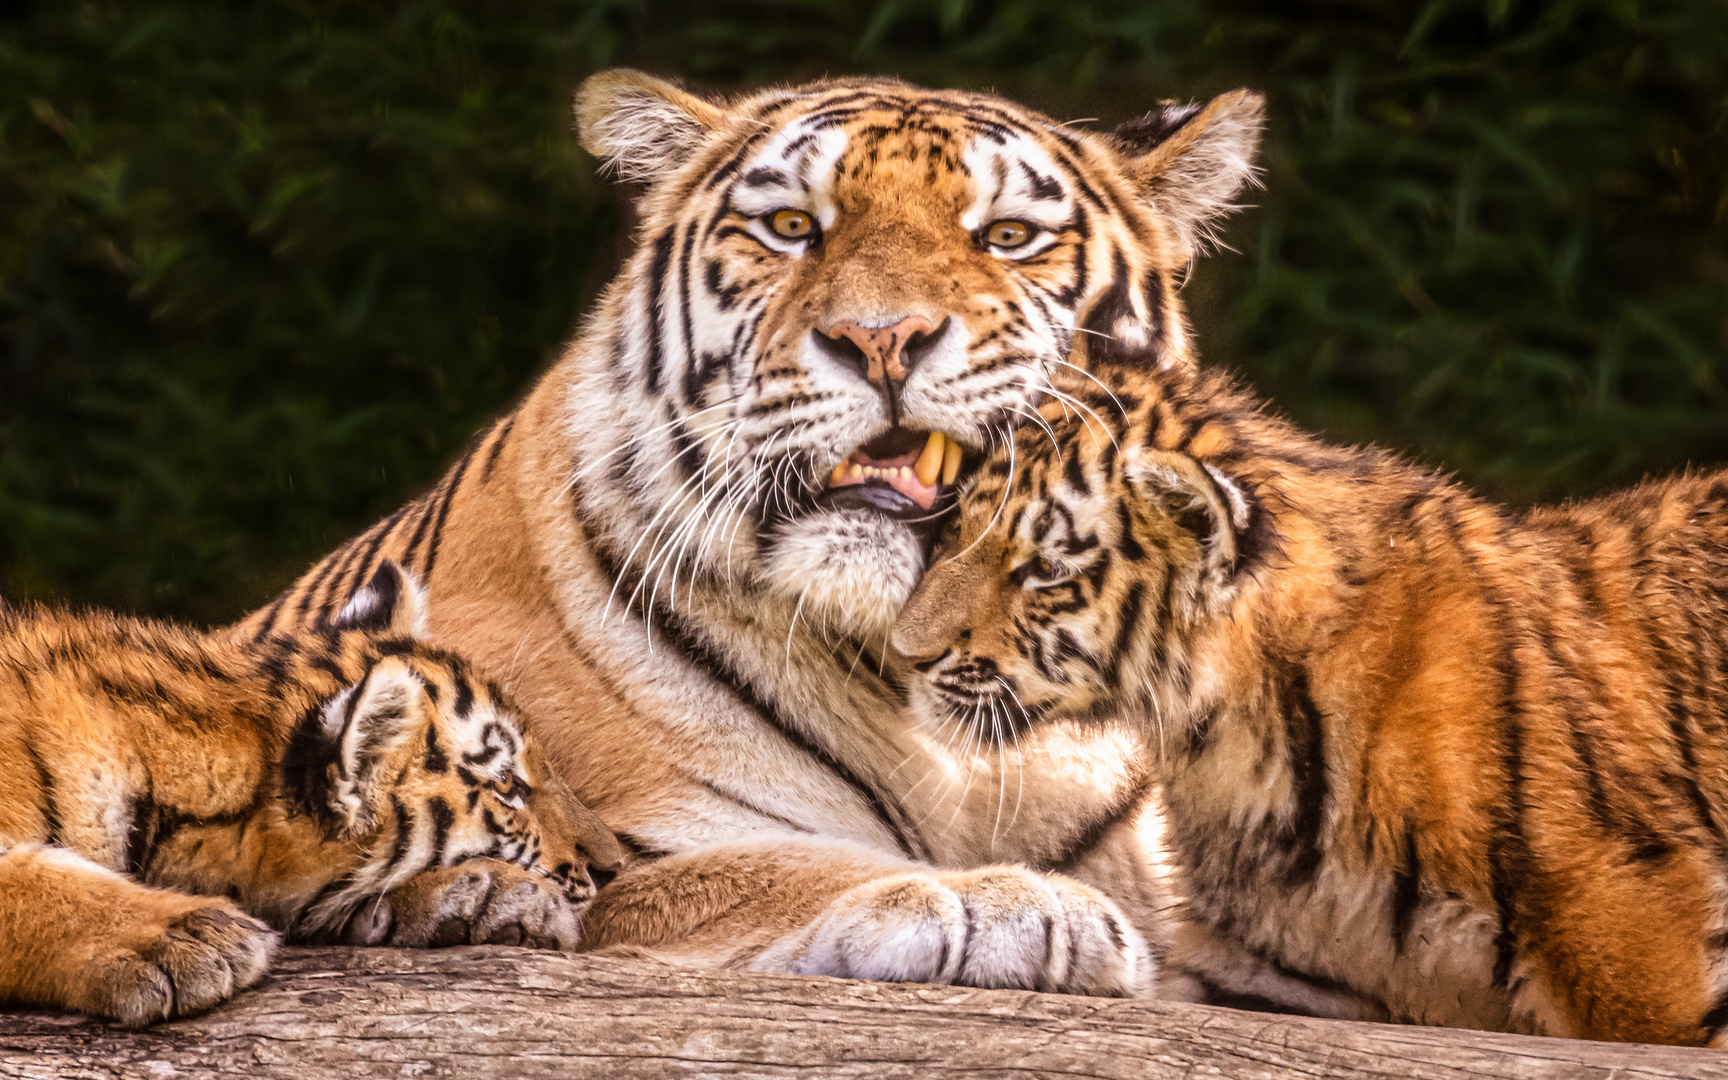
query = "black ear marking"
x=373 y=606
x=1143 y=133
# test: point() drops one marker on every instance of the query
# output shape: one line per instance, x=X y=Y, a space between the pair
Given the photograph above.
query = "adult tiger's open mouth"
x=905 y=473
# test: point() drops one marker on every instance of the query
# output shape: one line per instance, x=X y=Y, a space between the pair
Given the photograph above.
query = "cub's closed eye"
x=1038 y=572
x=792 y=224
x=1008 y=234
x=512 y=790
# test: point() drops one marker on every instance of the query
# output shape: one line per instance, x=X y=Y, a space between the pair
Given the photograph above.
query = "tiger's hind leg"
x=75 y=935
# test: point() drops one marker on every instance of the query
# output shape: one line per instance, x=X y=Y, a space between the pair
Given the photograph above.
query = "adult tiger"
x=684 y=551
x=1425 y=760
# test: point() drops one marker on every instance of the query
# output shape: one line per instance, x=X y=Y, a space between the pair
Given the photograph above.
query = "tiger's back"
x=302 y=779
x=1424 y=759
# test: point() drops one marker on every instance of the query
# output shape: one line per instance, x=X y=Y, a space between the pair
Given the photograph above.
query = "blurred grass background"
x=265 y=267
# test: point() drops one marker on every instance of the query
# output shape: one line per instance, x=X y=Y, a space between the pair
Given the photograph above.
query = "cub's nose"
x=883 y=355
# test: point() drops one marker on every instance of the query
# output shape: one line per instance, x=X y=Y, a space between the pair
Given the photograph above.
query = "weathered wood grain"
x=493 y=1012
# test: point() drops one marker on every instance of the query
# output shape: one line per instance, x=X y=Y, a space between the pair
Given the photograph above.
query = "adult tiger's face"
x=849 y=291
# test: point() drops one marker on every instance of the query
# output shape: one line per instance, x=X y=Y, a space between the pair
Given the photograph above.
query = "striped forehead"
x=996 y=162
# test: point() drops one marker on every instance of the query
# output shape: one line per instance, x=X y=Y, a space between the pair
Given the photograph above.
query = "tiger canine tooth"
x=950 y=462
x=930 y=461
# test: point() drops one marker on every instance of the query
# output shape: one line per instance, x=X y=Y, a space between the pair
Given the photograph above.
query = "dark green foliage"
x=265 y=267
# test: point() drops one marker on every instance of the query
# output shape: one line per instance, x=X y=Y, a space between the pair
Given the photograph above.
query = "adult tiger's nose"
x=883 y=355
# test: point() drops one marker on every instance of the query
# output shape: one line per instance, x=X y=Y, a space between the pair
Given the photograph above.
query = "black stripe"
x=143 y=822
x=444 y=514
x=437 y=760
x=745 y=803
x=45 y=780
x=404 y=835
x=267 y=622
x=657 y=308
x=321 y=573
x=424 y=505
x=639 y=848
x=336 y=597
x=1125 y=806
x=442 y=818
x=297 y=935
x=1305 y=747
x=1715 y=1017
x=504 y=428
x=1406 y=888
x=1128 y=620
x=691 y=366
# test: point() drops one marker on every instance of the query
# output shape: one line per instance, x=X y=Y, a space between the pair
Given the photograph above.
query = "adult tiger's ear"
x=370 y=722
x=1203 y=502
x=1190 y=160
x=391 y=602
x=640 y=126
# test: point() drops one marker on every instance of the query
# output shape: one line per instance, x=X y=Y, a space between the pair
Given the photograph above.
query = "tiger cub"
x=1424 y=759
x=147 y=771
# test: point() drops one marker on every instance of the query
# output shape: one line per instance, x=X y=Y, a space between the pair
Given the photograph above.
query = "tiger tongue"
x=897 y=472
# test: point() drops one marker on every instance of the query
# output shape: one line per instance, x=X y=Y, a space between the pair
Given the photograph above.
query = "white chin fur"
x=852 y=569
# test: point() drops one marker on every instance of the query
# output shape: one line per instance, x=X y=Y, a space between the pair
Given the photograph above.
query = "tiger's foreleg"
x=76 y=935
x=823 y=908
x=475 y=902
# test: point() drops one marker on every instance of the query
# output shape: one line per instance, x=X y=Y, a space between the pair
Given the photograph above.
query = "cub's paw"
x=184 y=965
x=478 y=902
x=1002 y=927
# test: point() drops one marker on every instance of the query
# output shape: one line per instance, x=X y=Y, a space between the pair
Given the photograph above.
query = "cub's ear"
x=392 y=602
x=1202 y=501
x=369 y=723
x=642 y=127
x=1190 y=160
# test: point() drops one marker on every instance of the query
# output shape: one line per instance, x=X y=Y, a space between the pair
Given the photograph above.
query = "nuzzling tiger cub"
x=1425 y=759
x=146 y=771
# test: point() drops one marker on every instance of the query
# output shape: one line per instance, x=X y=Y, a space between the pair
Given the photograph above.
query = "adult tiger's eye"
x=1008 y=234
x=792 y=224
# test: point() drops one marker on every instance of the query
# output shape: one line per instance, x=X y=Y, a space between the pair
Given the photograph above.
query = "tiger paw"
x=1001 y=927
x=186 y=964
x=477 y=902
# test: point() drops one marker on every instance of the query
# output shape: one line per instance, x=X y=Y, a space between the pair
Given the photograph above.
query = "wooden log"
x=496 y=1012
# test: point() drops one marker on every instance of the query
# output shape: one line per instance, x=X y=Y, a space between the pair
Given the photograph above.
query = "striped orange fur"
x=684 y=550
x=1424 y=758
x=162 y=790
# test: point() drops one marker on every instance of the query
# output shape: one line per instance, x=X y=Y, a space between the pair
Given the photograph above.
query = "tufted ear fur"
x=392 y=602
x=1201 y=500
x=1190 y=160
x=368 y=723
x=642 y=127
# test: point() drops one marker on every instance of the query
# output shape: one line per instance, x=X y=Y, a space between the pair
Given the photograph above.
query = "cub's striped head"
x=847 y=293
x=1085 y=563
x=418 y=763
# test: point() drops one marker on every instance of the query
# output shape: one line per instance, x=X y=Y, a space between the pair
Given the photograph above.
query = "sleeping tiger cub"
x=1425 y=759
x=146 y=769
